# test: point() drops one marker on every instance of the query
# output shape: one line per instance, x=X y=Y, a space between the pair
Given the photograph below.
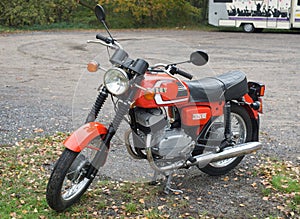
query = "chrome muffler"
x=236 y=151
x=209 y=157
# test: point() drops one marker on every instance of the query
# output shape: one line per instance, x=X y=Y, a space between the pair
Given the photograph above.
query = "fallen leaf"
x=254 y=185
x=226 y=178
x=38 y=130
x=142 y=201
x=160 y=207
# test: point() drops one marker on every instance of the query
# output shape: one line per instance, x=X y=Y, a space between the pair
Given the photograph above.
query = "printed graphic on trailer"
x=265 y=8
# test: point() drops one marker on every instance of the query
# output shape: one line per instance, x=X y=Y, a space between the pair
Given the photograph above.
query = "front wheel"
x=67 y=182
x=241 y=128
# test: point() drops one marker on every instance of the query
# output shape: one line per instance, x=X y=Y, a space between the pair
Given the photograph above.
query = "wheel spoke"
x=216 y=132
x=73 y=189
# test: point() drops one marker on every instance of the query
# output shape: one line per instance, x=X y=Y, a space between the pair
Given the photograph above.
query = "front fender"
x=79 y=139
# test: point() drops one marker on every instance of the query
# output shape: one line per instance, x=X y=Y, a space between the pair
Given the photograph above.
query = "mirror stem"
x=106 y=28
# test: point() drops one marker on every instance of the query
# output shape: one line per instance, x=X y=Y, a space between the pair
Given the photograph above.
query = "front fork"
x=101 y=155
x=123 y=108
x=103 y=94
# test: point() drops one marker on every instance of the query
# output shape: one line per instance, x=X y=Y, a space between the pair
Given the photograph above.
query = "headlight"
x=116 y=81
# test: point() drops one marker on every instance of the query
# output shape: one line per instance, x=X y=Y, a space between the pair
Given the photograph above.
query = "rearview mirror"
x=199 y=58
x=100 y=14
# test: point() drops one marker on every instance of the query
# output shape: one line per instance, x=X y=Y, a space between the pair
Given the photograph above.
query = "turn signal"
x=262 y=90
x=93 y=66
x=149 y=95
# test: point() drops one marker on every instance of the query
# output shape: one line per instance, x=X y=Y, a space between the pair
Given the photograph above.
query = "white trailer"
x=255 y=15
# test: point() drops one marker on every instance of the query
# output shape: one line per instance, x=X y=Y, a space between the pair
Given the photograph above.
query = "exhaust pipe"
x=204 y=159
x=239 y=150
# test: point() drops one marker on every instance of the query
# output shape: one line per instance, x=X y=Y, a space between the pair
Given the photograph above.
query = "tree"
x=153 y=12
x=19 y=12
x=203 y=4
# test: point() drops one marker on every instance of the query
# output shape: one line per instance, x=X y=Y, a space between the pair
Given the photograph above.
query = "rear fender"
x=254 y=116
x=79 y=139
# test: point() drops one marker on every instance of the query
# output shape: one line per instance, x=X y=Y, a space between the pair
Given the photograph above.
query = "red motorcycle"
x=210 y=123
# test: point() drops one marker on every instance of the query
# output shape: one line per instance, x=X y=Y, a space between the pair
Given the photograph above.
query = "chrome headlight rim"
x=116 y=81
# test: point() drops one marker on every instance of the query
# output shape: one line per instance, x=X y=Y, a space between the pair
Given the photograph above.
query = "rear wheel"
x=241 y=128
x=69 y=179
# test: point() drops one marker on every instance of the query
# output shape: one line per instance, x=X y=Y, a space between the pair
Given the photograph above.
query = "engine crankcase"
x=174 y=144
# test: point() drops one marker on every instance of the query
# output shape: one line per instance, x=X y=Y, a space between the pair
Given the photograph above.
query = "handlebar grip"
x=107 y=40
x=184 y=74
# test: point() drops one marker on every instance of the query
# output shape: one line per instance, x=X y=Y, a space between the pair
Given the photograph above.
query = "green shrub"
x=150 y=13
x=27 y=14
x=17 y=13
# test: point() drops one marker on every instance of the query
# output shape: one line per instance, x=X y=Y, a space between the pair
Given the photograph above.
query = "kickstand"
x=168 y=186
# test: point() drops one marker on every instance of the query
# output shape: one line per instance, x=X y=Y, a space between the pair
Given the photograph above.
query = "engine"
x=167 y=143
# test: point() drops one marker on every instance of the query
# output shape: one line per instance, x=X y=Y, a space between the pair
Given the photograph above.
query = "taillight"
x=256 y=90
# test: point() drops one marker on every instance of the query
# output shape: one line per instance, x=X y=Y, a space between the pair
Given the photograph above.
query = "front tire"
x=241 y=128
x=67 y=182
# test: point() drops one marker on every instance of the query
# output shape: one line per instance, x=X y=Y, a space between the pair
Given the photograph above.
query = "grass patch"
x=84 y=26
x=25 y=170
x=285 y=184
x=50 y=27
x=281 y=181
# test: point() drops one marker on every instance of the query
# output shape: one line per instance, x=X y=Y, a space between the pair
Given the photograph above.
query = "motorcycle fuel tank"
x=161 y=90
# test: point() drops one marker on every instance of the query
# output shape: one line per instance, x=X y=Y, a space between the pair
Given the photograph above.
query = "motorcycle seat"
x=228 y=86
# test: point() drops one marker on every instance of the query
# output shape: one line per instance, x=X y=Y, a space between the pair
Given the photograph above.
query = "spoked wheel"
x=69 y=179
x=241 y=128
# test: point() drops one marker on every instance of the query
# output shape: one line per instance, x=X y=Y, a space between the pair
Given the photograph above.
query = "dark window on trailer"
x=298 y=2
x=225 y=1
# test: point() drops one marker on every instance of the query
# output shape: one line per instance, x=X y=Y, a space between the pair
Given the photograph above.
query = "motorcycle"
x=209 y=123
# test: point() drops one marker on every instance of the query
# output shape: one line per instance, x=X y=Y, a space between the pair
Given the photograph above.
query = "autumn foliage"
x=142 y=13
x=18 y=13
x=121 y=13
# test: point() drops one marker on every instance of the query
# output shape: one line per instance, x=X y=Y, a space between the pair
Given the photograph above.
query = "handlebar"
x=174 y=70
x=107 y=40
x=184 y=74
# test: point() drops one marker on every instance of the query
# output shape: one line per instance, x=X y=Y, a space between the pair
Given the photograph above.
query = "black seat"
x=230 y=85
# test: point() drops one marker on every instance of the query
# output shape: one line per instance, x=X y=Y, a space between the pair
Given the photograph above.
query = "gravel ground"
x=41 y=72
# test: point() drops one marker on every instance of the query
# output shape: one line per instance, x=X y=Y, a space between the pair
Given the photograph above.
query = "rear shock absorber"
x=97 y=105
x=227 y=121
x=227 y=129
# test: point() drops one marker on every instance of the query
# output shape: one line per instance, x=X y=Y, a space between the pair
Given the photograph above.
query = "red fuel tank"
x=161 y=90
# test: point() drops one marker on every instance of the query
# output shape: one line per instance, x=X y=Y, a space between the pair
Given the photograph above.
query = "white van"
x=255 y=15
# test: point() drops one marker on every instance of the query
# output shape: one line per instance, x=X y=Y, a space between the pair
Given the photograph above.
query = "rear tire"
x=63 y=173
x=248 y=28
x=242 y=127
